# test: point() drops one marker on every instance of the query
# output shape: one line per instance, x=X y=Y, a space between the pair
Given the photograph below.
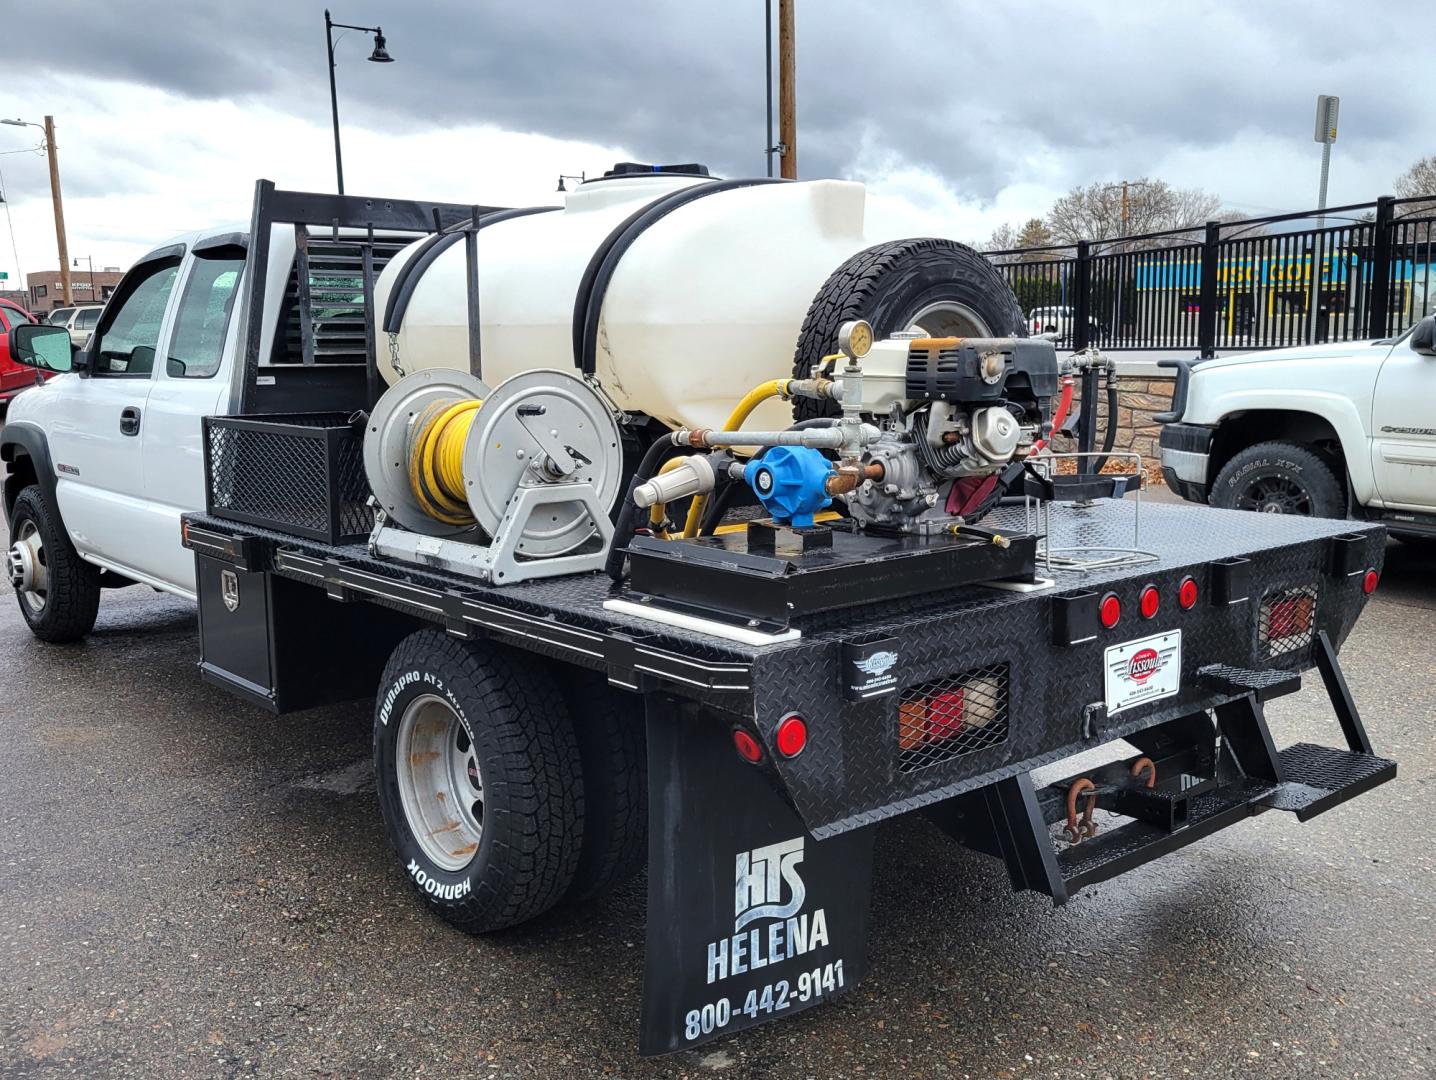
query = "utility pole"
x=787 y=92
x=1126 y=209
x=59 y=210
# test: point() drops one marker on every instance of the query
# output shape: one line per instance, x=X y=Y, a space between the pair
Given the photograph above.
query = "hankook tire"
x=479 y=779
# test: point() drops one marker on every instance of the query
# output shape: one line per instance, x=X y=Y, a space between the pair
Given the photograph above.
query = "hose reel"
x=503 y=484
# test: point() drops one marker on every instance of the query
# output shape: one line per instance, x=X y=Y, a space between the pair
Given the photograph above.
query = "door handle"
x=129 y=420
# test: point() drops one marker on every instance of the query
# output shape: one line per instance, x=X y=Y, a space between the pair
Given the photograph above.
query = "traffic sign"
x=1326 y=109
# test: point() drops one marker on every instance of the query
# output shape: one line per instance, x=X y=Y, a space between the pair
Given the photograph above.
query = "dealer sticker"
x=1144 y=670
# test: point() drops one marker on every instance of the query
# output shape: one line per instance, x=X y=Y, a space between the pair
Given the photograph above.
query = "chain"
x=394 y=356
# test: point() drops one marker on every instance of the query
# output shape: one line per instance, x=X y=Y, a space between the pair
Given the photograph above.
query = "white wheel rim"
x=947 y=318
x=26 y=565
x=440 y=784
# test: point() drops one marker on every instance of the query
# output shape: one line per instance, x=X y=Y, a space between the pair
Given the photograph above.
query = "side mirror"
x=43 y=346
x=1423 y=338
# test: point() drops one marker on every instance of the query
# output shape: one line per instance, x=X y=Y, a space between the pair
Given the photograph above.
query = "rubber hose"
x=436 y=461
x=1109 y=438
x=736 y=419
x=717 y=507
x=623 y=528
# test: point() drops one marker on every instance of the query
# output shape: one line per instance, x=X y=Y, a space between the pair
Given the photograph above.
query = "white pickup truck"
x=1346 y=430
x=103 y=459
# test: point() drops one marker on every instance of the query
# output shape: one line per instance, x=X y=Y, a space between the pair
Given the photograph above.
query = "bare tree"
x=1418 y=180
x=1003 y=238
x=1094 y=212
x=1414 y=183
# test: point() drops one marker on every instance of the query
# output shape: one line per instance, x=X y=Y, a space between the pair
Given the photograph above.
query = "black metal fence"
x=1367 y=270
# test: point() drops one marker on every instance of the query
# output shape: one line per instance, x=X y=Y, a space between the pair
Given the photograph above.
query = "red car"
x=14 y=377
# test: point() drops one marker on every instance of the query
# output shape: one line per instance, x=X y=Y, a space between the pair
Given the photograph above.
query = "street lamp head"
x=561 y=186
x=14 y=123
x=380 y=55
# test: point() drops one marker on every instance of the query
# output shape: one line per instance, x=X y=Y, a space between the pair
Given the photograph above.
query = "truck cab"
x=121 y=429
x=1339 y=430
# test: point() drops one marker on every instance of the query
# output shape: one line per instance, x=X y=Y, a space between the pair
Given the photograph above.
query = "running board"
x=1192 y=778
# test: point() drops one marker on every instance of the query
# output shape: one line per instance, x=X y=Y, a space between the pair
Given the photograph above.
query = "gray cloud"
x=969 y=91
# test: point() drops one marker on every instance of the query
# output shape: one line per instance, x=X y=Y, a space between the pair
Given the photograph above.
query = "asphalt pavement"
x=190 y=887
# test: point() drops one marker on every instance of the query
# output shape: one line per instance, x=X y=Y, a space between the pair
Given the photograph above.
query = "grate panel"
x=274 y=471
x=1287 y=621
x=947 y=718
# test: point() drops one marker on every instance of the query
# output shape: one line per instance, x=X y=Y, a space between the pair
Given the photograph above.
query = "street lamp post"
x=380 y=55
x=90 y=262
x=48 y=127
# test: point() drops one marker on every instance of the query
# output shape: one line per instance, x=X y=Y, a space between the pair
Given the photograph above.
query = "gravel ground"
x=193 y=888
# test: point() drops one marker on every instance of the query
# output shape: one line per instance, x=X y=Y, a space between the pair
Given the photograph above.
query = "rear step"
x=1191 y=779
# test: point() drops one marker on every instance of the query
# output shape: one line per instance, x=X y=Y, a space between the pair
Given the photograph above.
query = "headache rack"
x=323 y=351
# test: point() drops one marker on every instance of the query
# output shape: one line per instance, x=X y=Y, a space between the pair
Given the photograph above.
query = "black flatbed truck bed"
x=1029 y=673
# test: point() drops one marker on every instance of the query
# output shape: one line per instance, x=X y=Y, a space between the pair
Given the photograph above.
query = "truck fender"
x=26 y=440
x=1338 y=411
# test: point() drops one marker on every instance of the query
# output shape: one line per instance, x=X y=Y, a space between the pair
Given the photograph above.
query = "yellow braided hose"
x=739 y=416
x=436 y=462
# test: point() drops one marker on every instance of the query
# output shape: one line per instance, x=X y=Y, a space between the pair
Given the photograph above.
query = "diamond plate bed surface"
x=862 y=762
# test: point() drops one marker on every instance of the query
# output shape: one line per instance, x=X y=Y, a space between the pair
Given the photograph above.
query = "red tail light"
x=747 y=746
x=1187 y=594
x=792 y=736
x=1151 y=602
x=931 y=719
x=1369 y=582
x=1111 y=610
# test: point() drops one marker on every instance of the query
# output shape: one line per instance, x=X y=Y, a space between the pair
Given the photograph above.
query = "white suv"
x=1344 y=430
x=80 y=321
x=1058 y=320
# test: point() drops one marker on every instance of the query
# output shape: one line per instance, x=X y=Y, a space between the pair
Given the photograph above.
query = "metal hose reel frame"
x=389 y=437
x=511 y=436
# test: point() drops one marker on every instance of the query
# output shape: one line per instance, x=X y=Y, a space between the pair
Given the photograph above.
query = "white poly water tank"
x=706 y=303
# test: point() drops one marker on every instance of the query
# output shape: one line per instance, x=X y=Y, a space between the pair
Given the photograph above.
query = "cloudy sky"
x=960 y=115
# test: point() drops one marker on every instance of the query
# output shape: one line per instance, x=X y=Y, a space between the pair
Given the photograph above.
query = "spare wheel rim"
x=948 y=318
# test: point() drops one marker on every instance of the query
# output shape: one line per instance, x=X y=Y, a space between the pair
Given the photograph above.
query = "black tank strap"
x=414 y=270
x=593 y=286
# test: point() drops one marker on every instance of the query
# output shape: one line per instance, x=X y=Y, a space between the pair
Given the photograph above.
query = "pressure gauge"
x=855 y=339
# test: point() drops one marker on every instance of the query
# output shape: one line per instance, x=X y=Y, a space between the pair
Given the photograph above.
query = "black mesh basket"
x=299 y=473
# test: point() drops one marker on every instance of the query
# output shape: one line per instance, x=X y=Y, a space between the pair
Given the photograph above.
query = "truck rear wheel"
x=59 y=592
x=610 y=728
x=938 y=286
x=480 y=780
x=1278 y=478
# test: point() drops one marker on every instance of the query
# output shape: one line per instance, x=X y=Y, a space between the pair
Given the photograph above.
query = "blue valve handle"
x=790 y=482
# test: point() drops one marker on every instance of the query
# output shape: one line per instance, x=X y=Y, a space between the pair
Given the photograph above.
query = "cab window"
x=203 y=317
x=126 y=343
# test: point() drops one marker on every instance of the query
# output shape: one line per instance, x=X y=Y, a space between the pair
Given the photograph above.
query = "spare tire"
x=939 y=286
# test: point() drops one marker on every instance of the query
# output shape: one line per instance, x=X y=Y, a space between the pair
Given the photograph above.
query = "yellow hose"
x=739 y=416
x=436 y=464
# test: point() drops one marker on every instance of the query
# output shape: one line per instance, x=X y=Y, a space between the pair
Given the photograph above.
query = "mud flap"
x=749 y=918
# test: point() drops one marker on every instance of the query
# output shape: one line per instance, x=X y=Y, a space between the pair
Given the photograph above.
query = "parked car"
x=1344 y=430
x=1059 y=321
x=80 y=321
x=14 y=377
